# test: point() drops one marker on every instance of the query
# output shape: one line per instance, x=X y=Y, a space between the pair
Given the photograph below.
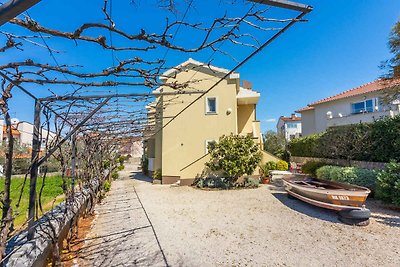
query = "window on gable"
x=211 y=105
x=292 y=125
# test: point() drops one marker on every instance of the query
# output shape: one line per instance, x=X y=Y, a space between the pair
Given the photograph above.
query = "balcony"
x=247 y=97
x=360 y=118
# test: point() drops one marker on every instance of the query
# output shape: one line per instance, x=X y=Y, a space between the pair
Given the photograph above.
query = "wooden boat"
x=326 y=194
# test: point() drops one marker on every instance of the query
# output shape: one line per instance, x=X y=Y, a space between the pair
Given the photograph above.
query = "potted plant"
x=264 y=173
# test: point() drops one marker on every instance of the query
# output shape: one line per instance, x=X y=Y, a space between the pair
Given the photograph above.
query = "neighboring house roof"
x=374 y=86
x=197 y=64
x=290 y=119
x=14 y=131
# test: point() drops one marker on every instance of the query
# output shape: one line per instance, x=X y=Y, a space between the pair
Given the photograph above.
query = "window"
x=292 y=125
x=363 y=106
x=211 y=105
x=209 y=144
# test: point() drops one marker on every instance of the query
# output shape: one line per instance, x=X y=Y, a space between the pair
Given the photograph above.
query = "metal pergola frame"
x=13 y=8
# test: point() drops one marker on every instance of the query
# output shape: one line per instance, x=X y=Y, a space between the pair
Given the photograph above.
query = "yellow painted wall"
x=246 y=116
x=184 y=139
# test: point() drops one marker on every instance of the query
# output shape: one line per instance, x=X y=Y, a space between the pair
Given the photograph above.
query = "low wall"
x=54 y=225
x=342 y=162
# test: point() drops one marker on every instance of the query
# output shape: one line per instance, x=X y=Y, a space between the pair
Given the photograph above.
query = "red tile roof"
x=291 y=118
x=374 y=86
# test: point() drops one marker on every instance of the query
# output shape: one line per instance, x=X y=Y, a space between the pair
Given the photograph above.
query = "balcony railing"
x=360 y=118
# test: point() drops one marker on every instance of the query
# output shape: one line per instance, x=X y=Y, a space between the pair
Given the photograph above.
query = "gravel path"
x=121 y=233
x=258 y=227
x=262 y=227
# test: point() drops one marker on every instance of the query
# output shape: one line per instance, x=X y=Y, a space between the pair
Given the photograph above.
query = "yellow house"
x=178 y=144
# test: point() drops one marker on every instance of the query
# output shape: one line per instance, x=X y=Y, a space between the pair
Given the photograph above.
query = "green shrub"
x=115 y=175
x=107 y=186
x=388 y=183
x=310 y=167
x=145 y=165
x=251 y=182
x=225 y=183
x=106 y=164
x=20 y=166
x=157 y=175
x=305 y=147
x=122 y=159
x=264 y=171
x=377 y=141
x=235 y=156
x=350 y=175
x=120 y=167
x=213 y=182
x=282 y=165
x=271 y=165
x=266 y=168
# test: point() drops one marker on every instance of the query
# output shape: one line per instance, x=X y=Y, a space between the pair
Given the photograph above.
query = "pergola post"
x=34 y=170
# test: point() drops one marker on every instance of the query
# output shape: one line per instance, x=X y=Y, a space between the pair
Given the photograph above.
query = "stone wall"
x=342 y=162
x=54 y=225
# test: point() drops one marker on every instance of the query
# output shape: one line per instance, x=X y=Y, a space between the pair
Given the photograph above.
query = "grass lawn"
x=52 y=194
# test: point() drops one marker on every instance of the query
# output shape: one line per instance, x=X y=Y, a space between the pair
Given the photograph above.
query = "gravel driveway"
x=262 y=227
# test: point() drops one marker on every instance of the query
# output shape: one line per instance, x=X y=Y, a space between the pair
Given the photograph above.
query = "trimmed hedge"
x=378 y=141
x=351 y=175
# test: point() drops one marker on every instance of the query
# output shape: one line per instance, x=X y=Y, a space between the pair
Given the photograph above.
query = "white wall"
x=316 y=121
x=308 y=122
x=292 y=131
x=26 y=130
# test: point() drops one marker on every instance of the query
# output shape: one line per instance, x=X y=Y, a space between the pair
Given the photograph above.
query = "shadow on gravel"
x=278 y=191
x=307 y=209
x=383 y=214
x=140 y=177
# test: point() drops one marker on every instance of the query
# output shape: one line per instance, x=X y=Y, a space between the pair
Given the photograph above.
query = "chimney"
x=293 y=116
x=247 y=84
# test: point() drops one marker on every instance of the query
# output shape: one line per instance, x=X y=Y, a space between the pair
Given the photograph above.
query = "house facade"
x=358 y=105
x=290 y=127
x=23 y=133
x=178 y=144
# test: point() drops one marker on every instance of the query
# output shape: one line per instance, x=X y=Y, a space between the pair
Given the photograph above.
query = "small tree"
x=235 y=156
x=391 y=67
x=274 y=143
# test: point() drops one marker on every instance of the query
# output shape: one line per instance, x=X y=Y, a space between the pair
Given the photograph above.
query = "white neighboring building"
x=23 y=133
x=290 y=127
x=358 y=105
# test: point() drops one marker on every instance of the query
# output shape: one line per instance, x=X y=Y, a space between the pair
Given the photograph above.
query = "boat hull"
x=326 y=194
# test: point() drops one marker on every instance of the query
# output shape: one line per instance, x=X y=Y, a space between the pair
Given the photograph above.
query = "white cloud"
x=270 y=120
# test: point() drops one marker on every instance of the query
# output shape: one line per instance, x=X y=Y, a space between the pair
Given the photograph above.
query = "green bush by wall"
x=351 y=175
x=388 y=183
x=378 y=141
x=310 y=167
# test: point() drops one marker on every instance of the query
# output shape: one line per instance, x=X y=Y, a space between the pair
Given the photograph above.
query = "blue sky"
x=339 y=48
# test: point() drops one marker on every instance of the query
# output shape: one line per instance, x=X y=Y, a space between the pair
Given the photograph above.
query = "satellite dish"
x=14 y=121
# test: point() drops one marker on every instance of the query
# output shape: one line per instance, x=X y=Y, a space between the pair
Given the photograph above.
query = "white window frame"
x=365 y=106
x=216 y=105
x=206 y=144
